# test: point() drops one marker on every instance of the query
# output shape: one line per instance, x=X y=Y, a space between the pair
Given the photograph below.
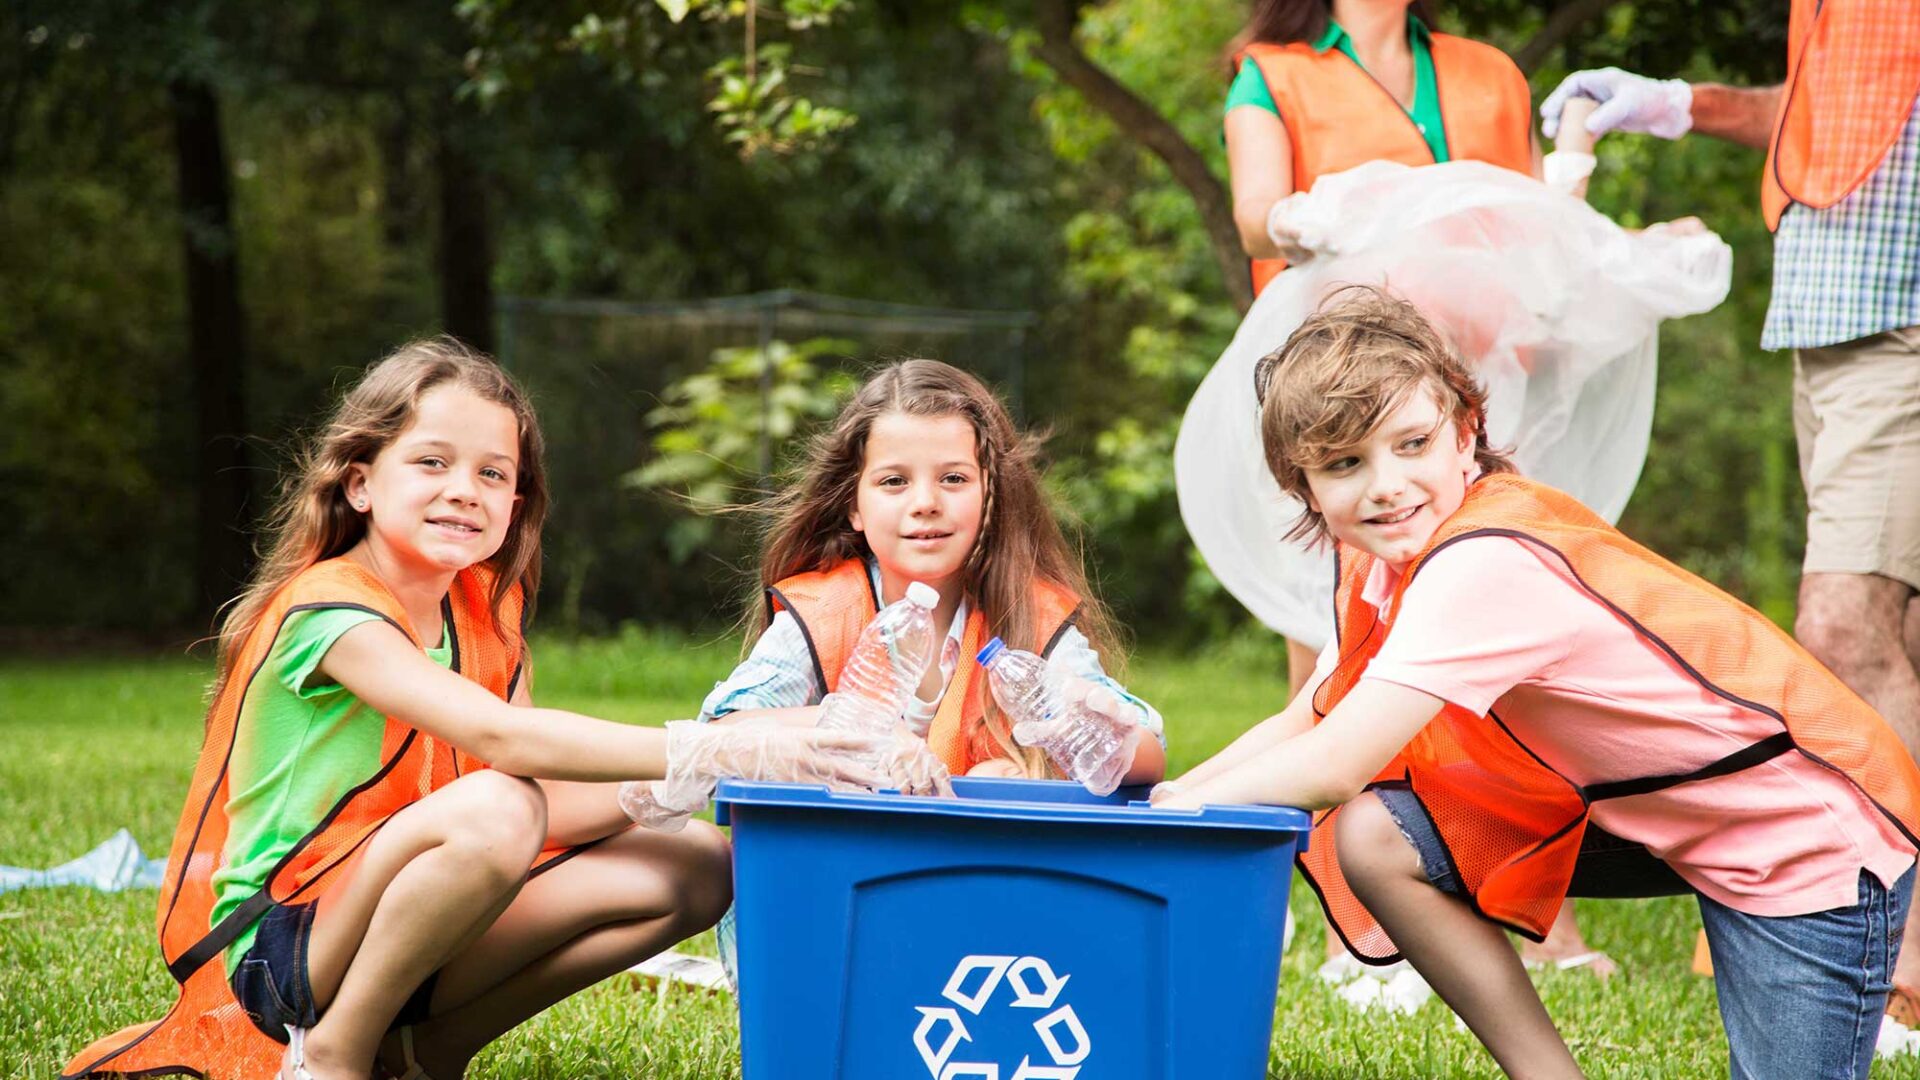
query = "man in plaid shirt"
x=1843 y=194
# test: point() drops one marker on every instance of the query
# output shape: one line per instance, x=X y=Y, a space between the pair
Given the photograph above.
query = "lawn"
x=91 y=745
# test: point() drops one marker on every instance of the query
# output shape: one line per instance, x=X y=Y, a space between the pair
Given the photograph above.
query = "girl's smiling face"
x=920 y=499
x=440 y=496
x=1387 y=494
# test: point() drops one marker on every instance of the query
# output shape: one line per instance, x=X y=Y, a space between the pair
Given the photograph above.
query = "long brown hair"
x=1348 y=365
x=1282 y=22
x=312 y=521
x=1019 y=542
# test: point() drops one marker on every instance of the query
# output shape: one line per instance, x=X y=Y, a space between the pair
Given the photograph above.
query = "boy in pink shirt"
x=1521 y=704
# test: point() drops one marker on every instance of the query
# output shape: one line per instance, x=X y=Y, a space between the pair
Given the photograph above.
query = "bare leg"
x=1865 y=628
x=1465 y=958
x=594 y=915
x=426 y=883
x=1564 y=941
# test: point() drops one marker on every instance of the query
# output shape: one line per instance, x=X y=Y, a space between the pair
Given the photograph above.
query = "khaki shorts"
x=1856 y=416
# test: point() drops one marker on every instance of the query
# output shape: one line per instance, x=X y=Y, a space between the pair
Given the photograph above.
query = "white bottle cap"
x=923 y=595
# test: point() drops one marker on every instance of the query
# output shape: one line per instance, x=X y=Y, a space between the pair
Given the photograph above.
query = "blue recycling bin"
x=1026 y=930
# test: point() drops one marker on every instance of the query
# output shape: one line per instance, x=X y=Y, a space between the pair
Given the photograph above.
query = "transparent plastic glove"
x=699 y=755
x=1299 y=227
x=912 y=767
x=1072 y=736
x=1628 y=102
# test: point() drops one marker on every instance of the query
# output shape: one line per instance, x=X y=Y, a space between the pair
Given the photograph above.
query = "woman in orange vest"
x=1521 y=704
x=1322 y=86
x=364 y=876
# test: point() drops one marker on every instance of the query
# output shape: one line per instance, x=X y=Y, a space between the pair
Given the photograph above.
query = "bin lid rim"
x=816 y=796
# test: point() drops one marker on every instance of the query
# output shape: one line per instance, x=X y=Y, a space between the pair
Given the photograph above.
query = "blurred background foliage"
x=380 y=171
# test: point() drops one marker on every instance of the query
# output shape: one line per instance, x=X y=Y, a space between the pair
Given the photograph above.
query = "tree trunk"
x=466 y=244
x=216 y=343
x=1559 y=26
x=1142 y=123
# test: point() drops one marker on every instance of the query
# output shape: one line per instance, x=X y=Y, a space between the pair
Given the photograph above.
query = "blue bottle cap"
x=994 y=648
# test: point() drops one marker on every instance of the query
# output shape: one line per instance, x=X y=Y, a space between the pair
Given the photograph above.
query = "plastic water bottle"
x=1092 y=748
x=886 y=666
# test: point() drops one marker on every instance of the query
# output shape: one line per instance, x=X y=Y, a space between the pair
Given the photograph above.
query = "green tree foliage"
x=717 y=430
x=976 y=176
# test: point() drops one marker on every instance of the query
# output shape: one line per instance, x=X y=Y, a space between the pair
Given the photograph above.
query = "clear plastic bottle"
x=885 y=667
x=1094 y=749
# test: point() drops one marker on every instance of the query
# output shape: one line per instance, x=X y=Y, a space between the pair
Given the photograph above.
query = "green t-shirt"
x=301 y=741
x=1250 y=86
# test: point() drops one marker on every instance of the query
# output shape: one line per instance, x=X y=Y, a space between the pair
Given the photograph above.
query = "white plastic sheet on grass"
x=116 y=864
x=1555 y=307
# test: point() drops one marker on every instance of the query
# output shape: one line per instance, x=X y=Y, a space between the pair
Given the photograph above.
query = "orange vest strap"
x=1512 y=824
x=1853 y=72
x=1337 y=116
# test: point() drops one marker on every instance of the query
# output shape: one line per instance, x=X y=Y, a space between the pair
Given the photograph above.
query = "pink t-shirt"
x=1495 y=623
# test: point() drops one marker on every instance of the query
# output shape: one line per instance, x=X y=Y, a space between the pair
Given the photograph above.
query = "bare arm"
x=1325 y=765
x=1260 y=165
x=794 y=716
x=381 y=667
x=1256 y=740
x=1737 y=114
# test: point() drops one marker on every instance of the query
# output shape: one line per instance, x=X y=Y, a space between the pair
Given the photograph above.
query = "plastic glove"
x=1298 y=228
x=1628 y=102
x=698 y=755
x=1074 y=690
x=912 y=767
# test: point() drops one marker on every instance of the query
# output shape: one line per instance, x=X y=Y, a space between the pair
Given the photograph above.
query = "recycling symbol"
x=1034 y=986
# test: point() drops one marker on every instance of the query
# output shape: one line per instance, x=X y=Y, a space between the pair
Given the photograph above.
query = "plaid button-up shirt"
x=1852 y=270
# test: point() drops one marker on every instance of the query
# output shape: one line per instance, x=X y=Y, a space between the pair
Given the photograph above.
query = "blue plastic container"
x=1026 y=930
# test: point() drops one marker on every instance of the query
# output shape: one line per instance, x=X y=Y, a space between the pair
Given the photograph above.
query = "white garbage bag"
x=1556 y=308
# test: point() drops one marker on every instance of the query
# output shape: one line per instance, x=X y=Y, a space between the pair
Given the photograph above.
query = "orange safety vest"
x=1512 y=824
x=1338 y=116
x=834 y=605
x=206 y=1033
x=1853 y=71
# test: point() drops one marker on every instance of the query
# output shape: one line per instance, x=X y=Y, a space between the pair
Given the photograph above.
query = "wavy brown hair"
x=1282 y=22
x=1349 y=364
x=1020 y=541
x=312 y=521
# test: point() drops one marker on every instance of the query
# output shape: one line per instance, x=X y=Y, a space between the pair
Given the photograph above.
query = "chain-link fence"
x=596 y=368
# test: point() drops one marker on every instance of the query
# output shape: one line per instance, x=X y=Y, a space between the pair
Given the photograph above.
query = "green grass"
x=91 y=745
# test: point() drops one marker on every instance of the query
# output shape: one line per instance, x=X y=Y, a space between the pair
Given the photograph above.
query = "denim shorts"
x=270 y=982
x=1800 y=995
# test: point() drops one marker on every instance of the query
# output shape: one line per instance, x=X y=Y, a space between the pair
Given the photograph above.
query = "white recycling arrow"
x=1082 y=1046
x=959 y=1069
x=996 y=966
x=1030 y=1071
x=1023 y=996
x=956 y=1031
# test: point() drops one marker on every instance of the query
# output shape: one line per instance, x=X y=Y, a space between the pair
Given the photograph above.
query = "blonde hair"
x=1019 y=541
x=1352 y=362
x=312 y=521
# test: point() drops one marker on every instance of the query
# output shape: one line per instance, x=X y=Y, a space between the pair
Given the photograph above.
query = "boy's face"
x=1387 y=494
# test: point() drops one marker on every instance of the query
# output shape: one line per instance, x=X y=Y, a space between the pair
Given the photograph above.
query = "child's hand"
x=910 y=766
x=699 y=755
x=1172 y=795
x=1074 y=690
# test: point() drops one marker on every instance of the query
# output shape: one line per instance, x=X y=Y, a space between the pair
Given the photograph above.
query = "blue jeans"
x=1800 y=995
